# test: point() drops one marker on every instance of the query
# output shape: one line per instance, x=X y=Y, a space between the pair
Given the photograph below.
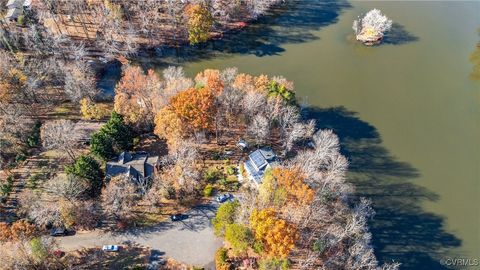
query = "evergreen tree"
x=115 y=136
x=88 y=168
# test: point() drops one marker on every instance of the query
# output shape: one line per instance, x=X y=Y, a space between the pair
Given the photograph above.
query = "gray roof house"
x=135 y=165
x=16 y=8
x=258 y=162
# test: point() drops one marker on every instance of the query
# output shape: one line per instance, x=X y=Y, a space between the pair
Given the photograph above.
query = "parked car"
x=58 y=253
x=176 y=217
x=111 y=248
x=58 y=231
x=224 y=197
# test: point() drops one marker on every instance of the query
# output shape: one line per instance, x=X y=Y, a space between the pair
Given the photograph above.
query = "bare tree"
x=184 y=164
x=57 y=134
x=67 y=187
x=33 y=254
x=143 y=185
x=298 y=131
x=79 y=81
x=41 y=210
x=175 y=81
x=253 y=103
x=259 y=129
x=119 y=197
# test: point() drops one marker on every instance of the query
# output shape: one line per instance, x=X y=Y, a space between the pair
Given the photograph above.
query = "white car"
x=112 y=248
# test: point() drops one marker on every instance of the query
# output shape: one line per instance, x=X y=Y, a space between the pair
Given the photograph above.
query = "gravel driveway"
x=190 y=241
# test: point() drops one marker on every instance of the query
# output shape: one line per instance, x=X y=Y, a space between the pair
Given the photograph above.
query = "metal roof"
x=258 y=160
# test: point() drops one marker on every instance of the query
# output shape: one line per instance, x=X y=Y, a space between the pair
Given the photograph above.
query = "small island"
x=371 y=29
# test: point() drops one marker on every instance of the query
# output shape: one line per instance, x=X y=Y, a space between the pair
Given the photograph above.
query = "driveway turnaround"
x=190 y=240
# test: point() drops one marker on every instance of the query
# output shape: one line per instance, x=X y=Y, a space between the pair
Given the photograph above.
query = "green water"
x=406 y=111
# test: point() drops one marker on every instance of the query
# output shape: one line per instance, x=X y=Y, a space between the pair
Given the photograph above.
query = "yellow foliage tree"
x=261 y=83
x=11 y=86
x=199 y=23
x=277 y=235
x=67 y=213
x=169 y=126
x=90 y=110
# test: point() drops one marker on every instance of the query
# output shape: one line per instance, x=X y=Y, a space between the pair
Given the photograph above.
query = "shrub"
x=276 y=89
x=39 y=250
x=136 y=141
x=33 y=139
x=21 y=156
x=21 y=20
x=273 y=263
x=208 y=190
x=231 y=170
x=258 y=247
x=242 y=169
x=216 y=156
x=6 y=188
x=222 y=181
x=33 y=180
x=212 y=175
x=221 y=257
x=233 y=185
x=319 y=246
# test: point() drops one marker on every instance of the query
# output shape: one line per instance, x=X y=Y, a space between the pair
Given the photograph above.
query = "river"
x=406 y=111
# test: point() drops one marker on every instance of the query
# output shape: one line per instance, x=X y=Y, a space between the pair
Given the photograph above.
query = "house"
x=258 y=162
x=15 y=8
x=136 y=165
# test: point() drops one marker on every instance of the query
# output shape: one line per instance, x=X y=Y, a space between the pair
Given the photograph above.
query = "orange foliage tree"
x=19 y=230
x=210 y=78
x=196 y=108
x=136 y=95
x=248 y=82
x=293 y=181
x=191 y=110
x=277 y=235
x=4 y=232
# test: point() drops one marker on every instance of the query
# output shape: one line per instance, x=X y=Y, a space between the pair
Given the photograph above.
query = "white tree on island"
x=371 y=28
